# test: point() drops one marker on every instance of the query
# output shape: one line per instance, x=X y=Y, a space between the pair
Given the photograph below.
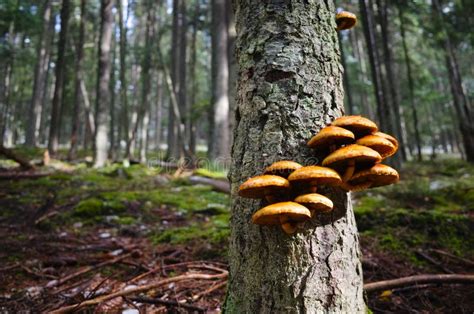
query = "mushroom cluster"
x=354 y=149
x=290 y=190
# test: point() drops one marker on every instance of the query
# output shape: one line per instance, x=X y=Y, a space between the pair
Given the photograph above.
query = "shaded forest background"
x=134 y=79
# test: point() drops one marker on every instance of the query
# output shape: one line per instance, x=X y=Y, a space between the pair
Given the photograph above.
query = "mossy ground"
x=430 y=208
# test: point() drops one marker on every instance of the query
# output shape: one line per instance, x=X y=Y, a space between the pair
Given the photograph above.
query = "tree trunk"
x=77 y=85
x=178 y=77
x=347 y=84
x=144 y=115
x=397 y=117
x=53 y=141
x=219 y=141
x=411 y=85
x=193 y=79
x=383 y=112
x=123 y=78
x=290 y=86
x=231 y=35
x=103 y=79
x=158 y=109
x=34 y=117
x=461 y=103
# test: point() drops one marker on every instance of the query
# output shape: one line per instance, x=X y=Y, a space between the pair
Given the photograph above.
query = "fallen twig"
x=10 y=154
x=210 y=290
x=138 y=289
x=168 y=302
x=418 y=280
x=218 y=185
x=434 y=262
x=88 y=269
x=464 y=260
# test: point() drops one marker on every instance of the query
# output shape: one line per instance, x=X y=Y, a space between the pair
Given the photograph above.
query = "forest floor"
x=79 y=233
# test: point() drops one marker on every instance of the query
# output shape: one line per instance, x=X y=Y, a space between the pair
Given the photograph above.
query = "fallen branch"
x=434 y=262
x=419 y=280
x=16 y=175
x=218 y=185
x=169 y=303
x=10 y=154
x=463 y=260
x=88 y=269
x=138 y=289
x=211 y=289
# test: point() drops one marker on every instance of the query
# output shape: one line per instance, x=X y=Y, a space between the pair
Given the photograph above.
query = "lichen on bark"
x=290 y=86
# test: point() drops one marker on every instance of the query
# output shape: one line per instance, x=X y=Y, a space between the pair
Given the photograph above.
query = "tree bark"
x=39 y=83
x=397 y=117
x=77 y=85
x=411 y=85
x=53 y=141
x=383 y=111
x=178 y=76
x=219 y=141
x=103 y=79
x=123 y=78
x=461 y=103
x=193 y=79
x=290 y=86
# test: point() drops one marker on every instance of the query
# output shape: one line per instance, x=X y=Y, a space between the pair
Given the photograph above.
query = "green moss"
x=93 y=207
x=211 y=174
x=127 y=220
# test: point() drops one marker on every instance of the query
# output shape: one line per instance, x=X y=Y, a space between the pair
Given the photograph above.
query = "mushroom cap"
x=316 y=202
x=357 y=124
x=345 y=20
x=379 y=175
x=380 y=144
x=331 y=135
x=392 y=139
x=259 y=186
x=357 y=153
x=270 y=215
x=282 y=168
x=315 y=175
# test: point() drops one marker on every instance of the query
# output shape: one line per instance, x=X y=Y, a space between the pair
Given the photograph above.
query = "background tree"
x=103 y=77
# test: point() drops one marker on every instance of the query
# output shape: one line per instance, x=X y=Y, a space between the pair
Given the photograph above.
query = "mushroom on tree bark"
x=330 y=137
x=309 y=177
x=282 y=168
x=345 y=20
x=270 y=187
x=358 y=125
x=286 y=214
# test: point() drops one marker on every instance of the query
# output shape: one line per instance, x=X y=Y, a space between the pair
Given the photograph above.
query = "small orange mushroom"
x=309 y=177
x=358 y=125
x=345 y=20
x=378 y=175
x=265 y=186
x=286 y=214
x=315 y=202
x=330 y=137
x=380 y=144
x=282 y=168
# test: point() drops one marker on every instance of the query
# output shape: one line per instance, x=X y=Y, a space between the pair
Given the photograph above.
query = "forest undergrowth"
x=78 y=233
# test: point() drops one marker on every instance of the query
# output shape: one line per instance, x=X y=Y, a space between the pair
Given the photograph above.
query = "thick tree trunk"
x=290 y=86
x=53 y=141
x=411 y=85
x=77 y=85
x=219 y=141
x=103 y=79
x=191 y=126
x=39 y=83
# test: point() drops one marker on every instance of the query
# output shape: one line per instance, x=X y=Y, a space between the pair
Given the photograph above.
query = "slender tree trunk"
x=231 y=35
x=347 y=85
x=34 y=117
x=159 y=109
x=103 y=79
x=178 y=76
x=53 y=141
x=123 y=78
x=397 y=119
x=461 y=103
x=194 y=84
x=112 y=142
x=383 y=112
x=219 y=142
x=411 y=85
x=144 y=115
x=289 y=88
x=76 y=116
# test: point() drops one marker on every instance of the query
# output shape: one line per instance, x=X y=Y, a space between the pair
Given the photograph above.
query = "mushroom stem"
x=287 y=226
x=271 y=199
x=349 y=171
x=332 y=148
